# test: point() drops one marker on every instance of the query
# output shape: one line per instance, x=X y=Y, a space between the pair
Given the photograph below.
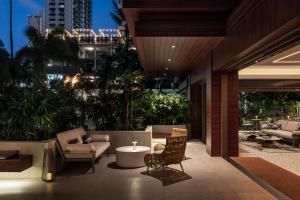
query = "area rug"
x=279 y=178
x=169 y=177
x=280 y=147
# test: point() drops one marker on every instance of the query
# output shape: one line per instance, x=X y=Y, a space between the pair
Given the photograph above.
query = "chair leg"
x=164 y=172
x=181 y=167
x=62 y=164
x=93 y=165
x=148 y=170
x=294 y=143
x=107 y=152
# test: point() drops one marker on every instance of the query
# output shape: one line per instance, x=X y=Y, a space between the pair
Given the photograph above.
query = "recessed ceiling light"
x=166 y=68
x=173 y=46
x=169 y=60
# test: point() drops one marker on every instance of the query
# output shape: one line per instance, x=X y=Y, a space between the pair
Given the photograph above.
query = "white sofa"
x=285 y=129
x=80 y=151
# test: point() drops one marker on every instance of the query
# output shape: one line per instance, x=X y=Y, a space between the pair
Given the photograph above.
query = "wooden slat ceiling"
x=187 y=54
x=194 y=27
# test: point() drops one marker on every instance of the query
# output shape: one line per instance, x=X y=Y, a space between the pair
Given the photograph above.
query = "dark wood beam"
x=179 y=28
x=204 y=5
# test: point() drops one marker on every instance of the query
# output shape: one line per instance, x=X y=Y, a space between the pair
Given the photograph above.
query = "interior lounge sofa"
x=285 y=129
x=77 y=145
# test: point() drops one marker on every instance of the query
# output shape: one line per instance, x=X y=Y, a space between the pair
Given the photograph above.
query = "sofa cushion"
x=283 y=123
x=100 y=138
x=279 y=133
x=86 y=139
x=65 y=137
x=80 y=131
x=100 y=147
x=74 y=141
x=80 y=148
x=291 y=126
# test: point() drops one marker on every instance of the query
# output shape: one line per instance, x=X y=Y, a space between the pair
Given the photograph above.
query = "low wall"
x=164 y=128
x=125 y=138
x=28 y=148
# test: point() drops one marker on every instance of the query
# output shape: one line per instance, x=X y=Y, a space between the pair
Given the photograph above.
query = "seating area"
x=284 y=129
x=210 y=178
x=76 y=145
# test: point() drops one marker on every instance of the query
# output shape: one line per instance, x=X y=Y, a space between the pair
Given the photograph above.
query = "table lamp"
x=134 y=144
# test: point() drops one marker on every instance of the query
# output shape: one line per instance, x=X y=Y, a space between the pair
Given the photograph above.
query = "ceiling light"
x=165 y=74
x=281 y=60
x=173 y=46
x=166 y=68
x=169 y=60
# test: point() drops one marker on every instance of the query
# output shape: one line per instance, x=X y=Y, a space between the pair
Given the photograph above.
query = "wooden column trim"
x=224 y=115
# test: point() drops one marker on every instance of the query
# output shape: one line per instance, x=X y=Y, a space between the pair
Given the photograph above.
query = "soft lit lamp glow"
x=68 y=79
x=134 y=145
x=288 y=117
x=73 y=80
x=169 y=60
x=256 y=117
x=13 y=186
x=281 y=60
x=173 y=46
x=49 y=176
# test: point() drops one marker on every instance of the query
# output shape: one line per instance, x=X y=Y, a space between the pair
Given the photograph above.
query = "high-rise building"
x=37 y=21
x=68 y=14
x=82 y=14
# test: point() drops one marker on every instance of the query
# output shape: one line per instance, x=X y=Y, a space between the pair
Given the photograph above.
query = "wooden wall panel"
x=194 y=94
x=251 y=29
x=233 y=114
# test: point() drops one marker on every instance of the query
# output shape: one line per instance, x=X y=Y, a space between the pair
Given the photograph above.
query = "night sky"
x=22 y=8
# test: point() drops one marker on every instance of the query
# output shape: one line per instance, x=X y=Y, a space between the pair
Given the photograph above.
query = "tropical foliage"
x=118 y=100
x=268 y=104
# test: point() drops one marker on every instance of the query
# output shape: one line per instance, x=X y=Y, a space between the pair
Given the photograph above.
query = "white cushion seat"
x=82 y=152
x=100 y=147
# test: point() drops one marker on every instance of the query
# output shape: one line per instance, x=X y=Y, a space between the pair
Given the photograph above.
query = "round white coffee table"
x=130 y=157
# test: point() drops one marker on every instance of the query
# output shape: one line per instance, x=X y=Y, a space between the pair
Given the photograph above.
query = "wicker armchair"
x=174 y=153
x=175 y=133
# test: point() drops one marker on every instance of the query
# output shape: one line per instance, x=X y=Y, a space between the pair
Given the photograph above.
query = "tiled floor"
x=212 y=178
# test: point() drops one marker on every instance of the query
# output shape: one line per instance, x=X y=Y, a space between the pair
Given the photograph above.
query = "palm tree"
x=119 y=18
x=11 y=31
x=5 y=77
x=41 y=50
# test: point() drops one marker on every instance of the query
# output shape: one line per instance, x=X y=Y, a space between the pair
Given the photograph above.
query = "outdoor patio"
x=206 y=178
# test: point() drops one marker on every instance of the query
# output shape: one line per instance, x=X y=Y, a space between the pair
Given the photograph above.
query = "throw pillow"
x=275 y=127
x=74 y=141
x=86 y=139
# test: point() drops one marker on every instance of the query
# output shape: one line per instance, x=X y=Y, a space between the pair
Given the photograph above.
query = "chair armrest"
x=80 y=148
x=296 y=133
x=100 y=138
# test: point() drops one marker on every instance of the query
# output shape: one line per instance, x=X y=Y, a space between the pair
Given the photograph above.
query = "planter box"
x=36 y=149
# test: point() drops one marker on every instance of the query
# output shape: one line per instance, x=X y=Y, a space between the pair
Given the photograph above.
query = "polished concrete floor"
x=205 y=178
